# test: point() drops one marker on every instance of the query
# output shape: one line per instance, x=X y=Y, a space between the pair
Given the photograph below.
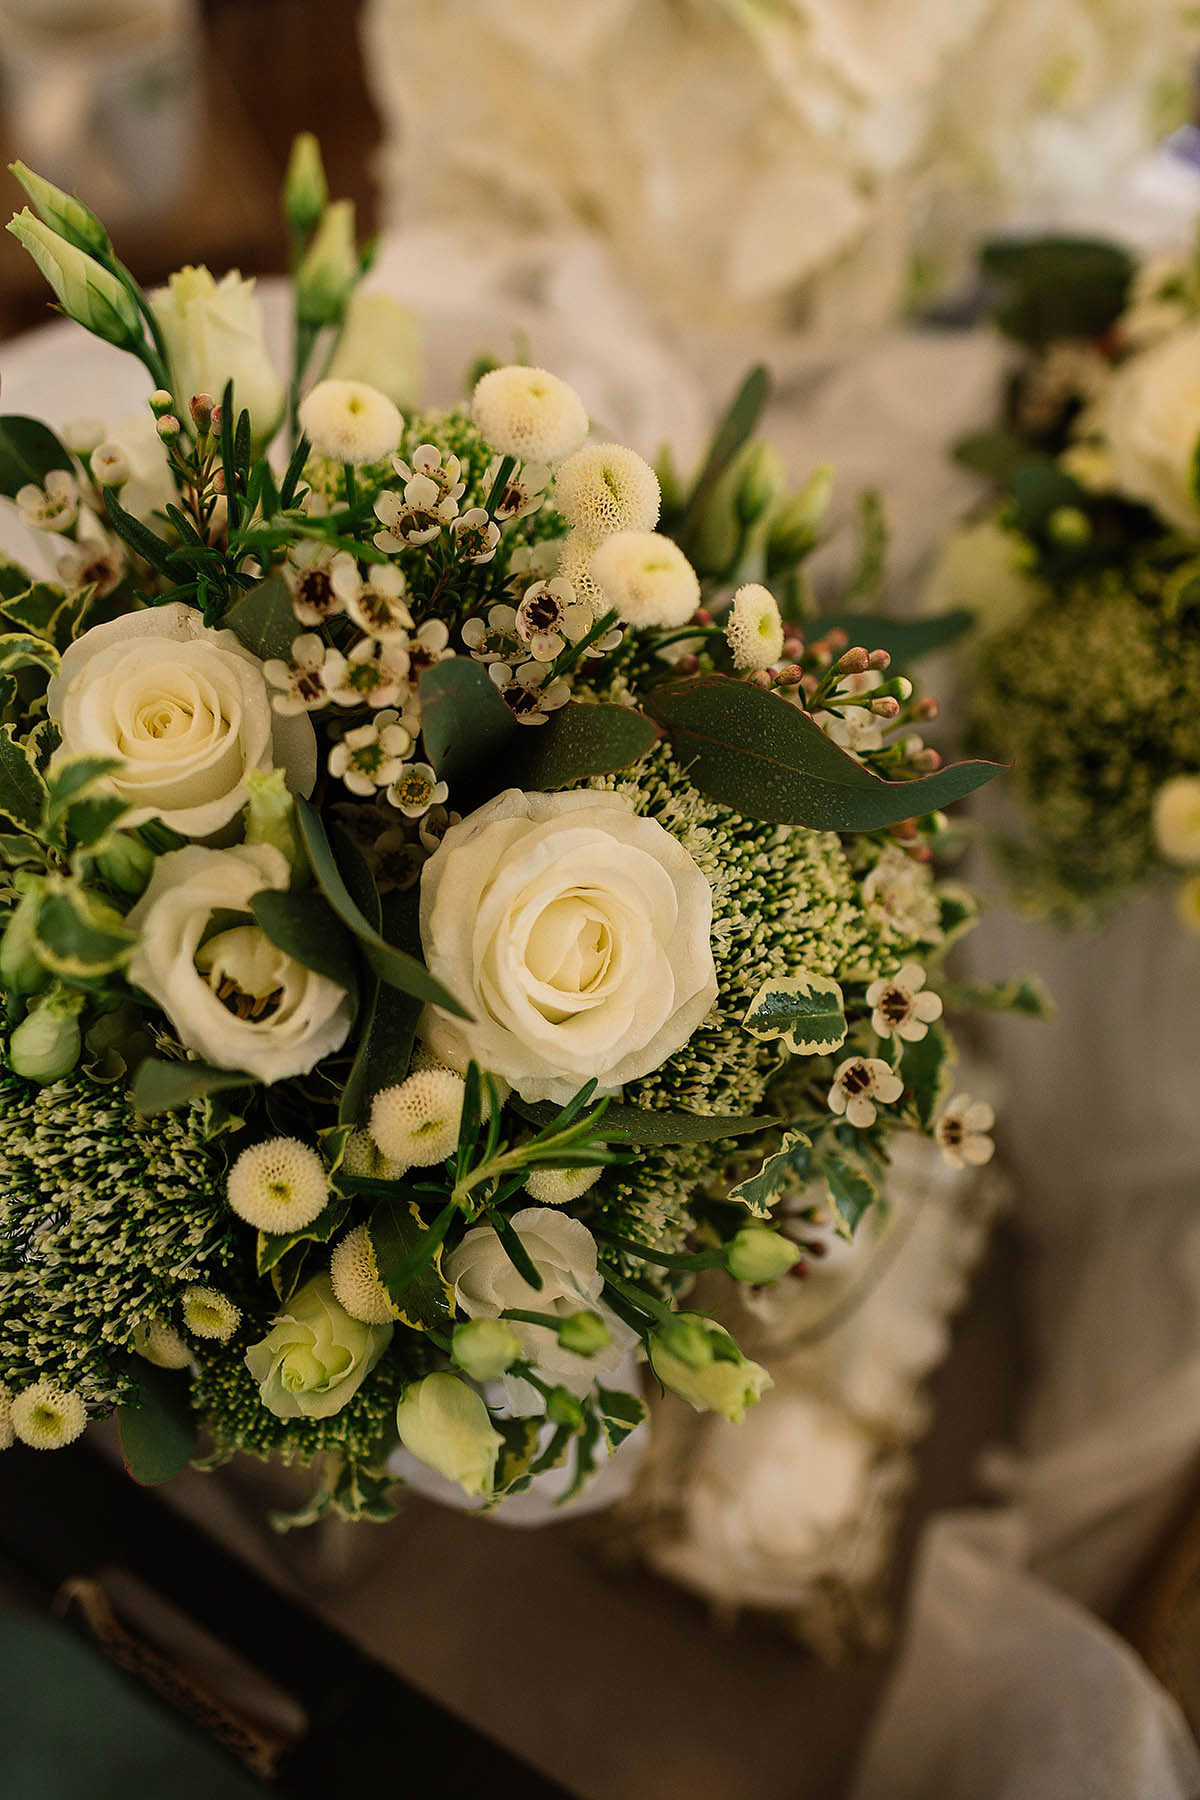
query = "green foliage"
x=1057 y=287
x=28 y=452
x=806 y=1012
x=780 y=1169
x=577 y=742
x=158 y=1429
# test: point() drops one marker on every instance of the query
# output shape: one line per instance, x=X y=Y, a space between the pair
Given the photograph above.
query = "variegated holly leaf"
x=806 y=1012
x=789 y=1163
x=850 y=1190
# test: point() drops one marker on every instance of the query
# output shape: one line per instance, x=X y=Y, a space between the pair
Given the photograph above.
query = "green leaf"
x=752 y=751
x=20 y=650
x=22 y=790
x=161 y=1086
x=586 y=1445
x=806 y=1011
x=39 y=607
x=1025 y=995
x=408 y=1256
x=158 y=1429
x=465 y=725
x=306 y=928
x=140 y=539
x=576 y=742
x=1039 y=488
x=1058 y=287
x=387 y=1028
x=867 y=576
x=78 y=935
x=733 y=431
x=639 y=1125
x=904 y=639
x=514 y=1465
x=759 y=1191
x=850 y=1192
x=274 y=1245
x=998 y=454
x=391 y=965
x=28 y=452
x=81 y=810
x=620 y=1414
x=958 y=911
x=926 y=1071
x=264 y=620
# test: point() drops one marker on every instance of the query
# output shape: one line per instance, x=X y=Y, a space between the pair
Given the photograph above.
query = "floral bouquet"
x=1091 y=550
x=455 y=890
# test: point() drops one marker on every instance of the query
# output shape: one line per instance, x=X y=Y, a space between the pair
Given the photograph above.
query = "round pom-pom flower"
x=1177 y=819
x=47 y=1418
x=646 y=578
x=558 y=1187
x=354 y=1275
x=754 y=629
x=208 y=1314
x=529 y=414
x=160 y=1344
x=605 y=488
x=279 y=1185
x=350 y=421
x=416 y=1123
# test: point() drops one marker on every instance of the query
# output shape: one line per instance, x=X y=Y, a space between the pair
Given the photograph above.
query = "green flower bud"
x=1069 y=525
x=315 y=1356
x=797 y=523
x=562 y=1408
x=271 y=814
x=63 y=213
x=670 y=480
x=485 y=1348
x=126 y=863
x=85 y=290
x=21 y=971
x=584 y=1333
x=686 y=1337
x=757 y=1254
x=898 y=688
x=727 y=1384
x=444 y=1423
x=760 y=481
x=305 y=191
x=330 y=269
x=47 y=1043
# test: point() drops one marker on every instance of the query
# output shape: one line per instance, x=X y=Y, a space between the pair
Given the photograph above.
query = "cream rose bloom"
x=239 y=1002
x=1151 y=420
x=214 y=333
x=186 y=711
x=576 y=933
x=564 y=1254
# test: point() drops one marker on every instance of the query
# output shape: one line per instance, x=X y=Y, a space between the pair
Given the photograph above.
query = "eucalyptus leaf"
x=806 y=1012
x=158 y=1429
x=850 y=1191
x=576 y=742
x=161 y=1086
x=758 y=1192
x=264 y=620
x=640 y=1125
x=28 y=452
x=465 y=725
x=750 y=750
x=905 y=640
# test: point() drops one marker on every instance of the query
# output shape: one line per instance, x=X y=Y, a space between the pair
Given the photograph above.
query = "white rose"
x=564 y=1254
x=239 y=1002
x=575 y=932
x=1151 y=419
x=187 y=712
x=214 y=334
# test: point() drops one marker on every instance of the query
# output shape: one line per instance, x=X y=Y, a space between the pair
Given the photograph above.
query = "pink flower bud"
x=201 y=409
x=760 y=678
x=880 y=659
x=887 y=708
x=702 y=616
x=926 y=708
x=837 y=638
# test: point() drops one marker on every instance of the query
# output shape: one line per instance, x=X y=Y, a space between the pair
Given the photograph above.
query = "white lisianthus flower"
x=214 y=334
x=186 y=712
x=239 y=1002
x=646 y=578
x=563 y=1252
x=605 y=488
x=982 y=567
x=1177 y=820
x=445 y=1424
x=1150 y=418
x=315 y=1357
x=576 y=933
x=350 y=421
x=754 y=629
x=529 y=413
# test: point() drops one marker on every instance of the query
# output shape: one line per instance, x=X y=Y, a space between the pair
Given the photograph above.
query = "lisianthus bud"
x=21 y=971
x=329 y=268
x=126 y=863
x=84 y=288
x=585 y=1333
x=686 y=1337
x=444 y=1423
x=271 y=814
x=760 y=479
x=63 y=213
x=485 y=1349
x=726 y=1384
x=757 y=1254
x=797 y=523
x=305 y=191
x=46 y=1044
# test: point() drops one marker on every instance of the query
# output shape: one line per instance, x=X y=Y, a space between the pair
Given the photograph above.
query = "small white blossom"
x=902 y=892
x=372 y=675
x=753 y=628
x=433 y=826
x=110 y=465
x=493 y=639
x=54 y=507
x=961 y=1132
x=432 y=464
x=529 y=414
x=646 y=578
x=605 y=488
x=414 y=517
x=476 y=537
x=523 y=693
x=306 y=680
x=46 y=1417
x=901 y=1007
x=350 y=421
x=372 y=755
x=96 y=559
x=379 y=606
x=319 y=580
x=522 y=494
x=537 y=562
x=415 y=788
x=416 y=1123
x=549 y=617
x=279 y=1185
x=429 y=645
x=858 y=1083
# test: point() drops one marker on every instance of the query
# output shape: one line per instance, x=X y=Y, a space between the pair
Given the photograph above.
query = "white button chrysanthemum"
x=575 y=565
x=753 y=628
x=161 y=1345
x=1177 y=819
x=901 y=1007
x=362 y=1156
x=7 y=1434
x=646 y=578
x=858 y=1083
x=350 y=421
x=355 y=1278
x=529 y=414
x=47 y=1417
x=961 y=1132
x=416 y=1123
x=605 y=488
x=558 y=1187
x=208 y=1314
x=279 y=1185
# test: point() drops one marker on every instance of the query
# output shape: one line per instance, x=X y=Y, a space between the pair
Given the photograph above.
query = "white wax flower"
x=899 y=1005
x=214 y=334
x=575 y=932
x=239 y=1002
x=563 y=1252
x=1177 y=819
x=186 y=712
x=1149 y=421
x=350 y=421
x=646 y=578
x=605 y=488
x=961 y=1132
x=529 y=413
x=858 y=1083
